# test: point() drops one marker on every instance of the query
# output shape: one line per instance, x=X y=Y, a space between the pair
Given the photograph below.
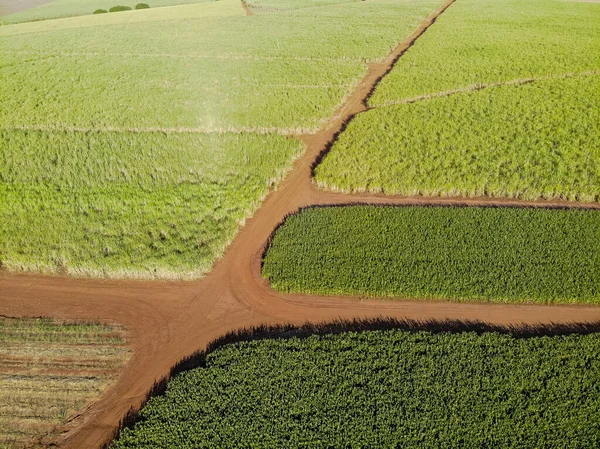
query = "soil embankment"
x=11 y=6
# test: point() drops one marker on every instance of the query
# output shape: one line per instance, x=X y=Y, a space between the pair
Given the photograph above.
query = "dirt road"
x=170 y=320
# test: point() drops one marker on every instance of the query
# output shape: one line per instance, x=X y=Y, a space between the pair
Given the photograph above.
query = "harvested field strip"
x=27 y=365
x=84 y=340
x=39 y=388
x=61 y=371
x=46 y=384
x=26 y=334
x=40 y=385
x=382 y=389
x=477 y=87
x=469 y=253
x=48 y=361
x=99 y=363
x=96 y=351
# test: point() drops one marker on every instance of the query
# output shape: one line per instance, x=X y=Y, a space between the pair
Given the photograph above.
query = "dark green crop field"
x=469 y=253
x=383 y=389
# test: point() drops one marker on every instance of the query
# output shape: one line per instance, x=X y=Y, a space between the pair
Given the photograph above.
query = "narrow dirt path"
x=478 y=87
x=170 y=320
x=172 y=130
x=247 y=9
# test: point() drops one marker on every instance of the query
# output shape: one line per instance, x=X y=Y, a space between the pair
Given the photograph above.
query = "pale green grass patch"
x=486 y=41
x=125 y=204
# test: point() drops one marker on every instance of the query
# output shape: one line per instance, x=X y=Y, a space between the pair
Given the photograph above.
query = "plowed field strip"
x=233 y=57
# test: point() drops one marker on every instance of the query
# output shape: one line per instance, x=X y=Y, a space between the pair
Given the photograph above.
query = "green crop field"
x=50 y=370
x=539 y=140
x=383 y=389
x=486 y=41
x=134 y=144
x=431 y=132
x=467 y=253
x=147 y=204
x=69 y=8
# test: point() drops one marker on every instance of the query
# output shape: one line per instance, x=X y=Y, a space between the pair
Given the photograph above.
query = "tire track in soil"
x=167 y=321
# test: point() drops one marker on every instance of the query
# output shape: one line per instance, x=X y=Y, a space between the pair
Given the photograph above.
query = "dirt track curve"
x=170 y=320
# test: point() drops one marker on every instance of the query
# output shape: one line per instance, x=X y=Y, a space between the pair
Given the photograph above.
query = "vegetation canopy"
x=540 y=140
x=382 y=389
x=465 y=253
x=119 y=8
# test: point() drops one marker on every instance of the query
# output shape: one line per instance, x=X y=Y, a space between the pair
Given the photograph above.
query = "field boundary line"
x=482 y=86
x=233 y=57
x=165 y=130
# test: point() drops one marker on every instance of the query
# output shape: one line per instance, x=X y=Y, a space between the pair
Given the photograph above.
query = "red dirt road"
x=170 y=320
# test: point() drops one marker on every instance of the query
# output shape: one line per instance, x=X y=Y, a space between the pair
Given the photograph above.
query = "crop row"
x=50 y=370
x=466 y=253
x=383 y=389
